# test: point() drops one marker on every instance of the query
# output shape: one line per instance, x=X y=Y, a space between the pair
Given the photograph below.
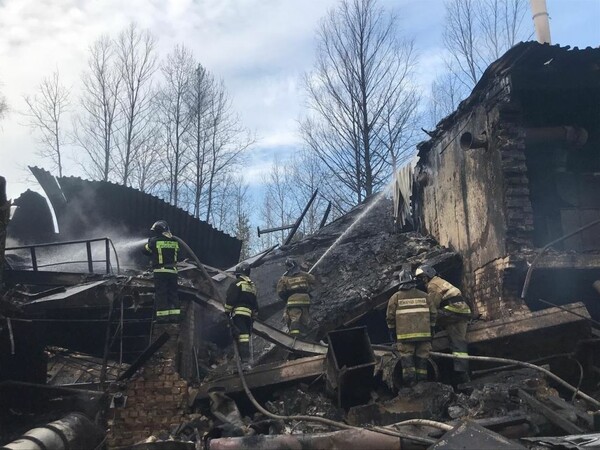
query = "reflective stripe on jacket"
x=240 y=299
x=410 y=312
x=447 y=297
x=295 y=288
x=163 y=250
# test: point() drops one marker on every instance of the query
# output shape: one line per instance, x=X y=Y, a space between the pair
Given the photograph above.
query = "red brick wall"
x=156 y=397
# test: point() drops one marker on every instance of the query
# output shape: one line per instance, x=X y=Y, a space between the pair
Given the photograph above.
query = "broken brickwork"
x=157 y=398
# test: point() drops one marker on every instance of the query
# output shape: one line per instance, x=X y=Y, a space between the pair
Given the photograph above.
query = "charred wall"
x=514 y=168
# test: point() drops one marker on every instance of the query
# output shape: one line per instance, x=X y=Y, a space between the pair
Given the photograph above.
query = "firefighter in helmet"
x=295 y=287
x=241 y=304
x=162 y=248
x=453 y=315
x=409 y=316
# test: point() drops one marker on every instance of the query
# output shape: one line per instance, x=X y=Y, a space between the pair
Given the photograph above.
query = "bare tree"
x=358 y=94
x=228 y=139
x=3 y=106
x=95 y=128
x=137 y=64
x=45 y=112
x=200 y=91
x=446 y=93
x=280 y=205
x=178 y=72
x=476 y=33
x=148 y=167
x=307 y=175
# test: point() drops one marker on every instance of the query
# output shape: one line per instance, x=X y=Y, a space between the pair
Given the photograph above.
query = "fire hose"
x=307 y=418
x=556 y=378
x=332 y=423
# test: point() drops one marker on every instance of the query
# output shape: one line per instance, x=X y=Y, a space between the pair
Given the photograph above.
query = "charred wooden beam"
x=529 y=336
x=267 y=375
x=553 y=417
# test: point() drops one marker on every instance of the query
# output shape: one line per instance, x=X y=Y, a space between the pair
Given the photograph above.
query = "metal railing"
x=88 y=247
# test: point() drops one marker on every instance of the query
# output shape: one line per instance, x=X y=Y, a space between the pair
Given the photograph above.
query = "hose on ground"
x=317 y=419
x=556 y=378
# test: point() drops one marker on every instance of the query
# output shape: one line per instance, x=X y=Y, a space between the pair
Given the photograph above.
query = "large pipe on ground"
x=346 y=439
x=72 y=432
x=539 y=14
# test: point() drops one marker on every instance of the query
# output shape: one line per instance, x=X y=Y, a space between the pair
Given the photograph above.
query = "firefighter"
x=409 y=316
x=162 y=248
x=295 y=287
x=241 y=305
x=453 y=315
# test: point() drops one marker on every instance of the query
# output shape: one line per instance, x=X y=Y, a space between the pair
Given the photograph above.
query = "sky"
x=260 y=48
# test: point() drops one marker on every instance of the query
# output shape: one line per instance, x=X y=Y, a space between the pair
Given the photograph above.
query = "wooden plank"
x=504 y=328
x=267 y=375
x=552 y=416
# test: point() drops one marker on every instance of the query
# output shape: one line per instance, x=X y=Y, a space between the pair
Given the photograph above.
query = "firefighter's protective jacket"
x=412 y=313
x=241 y=297
x=163 y=250
x=295 y=288
x=447 y=297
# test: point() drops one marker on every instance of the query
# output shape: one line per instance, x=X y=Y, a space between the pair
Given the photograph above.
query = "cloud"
x=260 y=48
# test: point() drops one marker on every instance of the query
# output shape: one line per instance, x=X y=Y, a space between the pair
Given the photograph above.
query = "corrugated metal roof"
x=86 y=208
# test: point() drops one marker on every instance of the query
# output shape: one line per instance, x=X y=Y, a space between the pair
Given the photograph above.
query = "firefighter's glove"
x=392 y=334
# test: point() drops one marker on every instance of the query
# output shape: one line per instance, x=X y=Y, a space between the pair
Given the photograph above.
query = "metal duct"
x=573 y=136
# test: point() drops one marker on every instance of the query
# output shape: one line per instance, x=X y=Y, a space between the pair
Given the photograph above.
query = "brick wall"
x=497 y=288
x=510 y=138
x=157 y=397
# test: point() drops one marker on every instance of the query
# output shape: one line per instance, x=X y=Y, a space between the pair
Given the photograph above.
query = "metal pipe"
x=546 y=247
x=556 y=378
x=51 y=244
x=73 y=431
x=299 y=221
x=271 y=230
x=469 y=141
x=90 y=261
x=571 y=135
x=539 y=14
x=346 y=439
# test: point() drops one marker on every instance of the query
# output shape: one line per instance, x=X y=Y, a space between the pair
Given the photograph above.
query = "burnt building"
x=511 y=177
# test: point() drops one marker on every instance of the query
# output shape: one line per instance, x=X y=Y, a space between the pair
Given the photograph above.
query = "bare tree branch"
x=359 y=94
x=45 y=112
x=96 y=126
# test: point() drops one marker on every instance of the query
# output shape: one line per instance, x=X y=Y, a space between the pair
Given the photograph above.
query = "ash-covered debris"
x=356 y=275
